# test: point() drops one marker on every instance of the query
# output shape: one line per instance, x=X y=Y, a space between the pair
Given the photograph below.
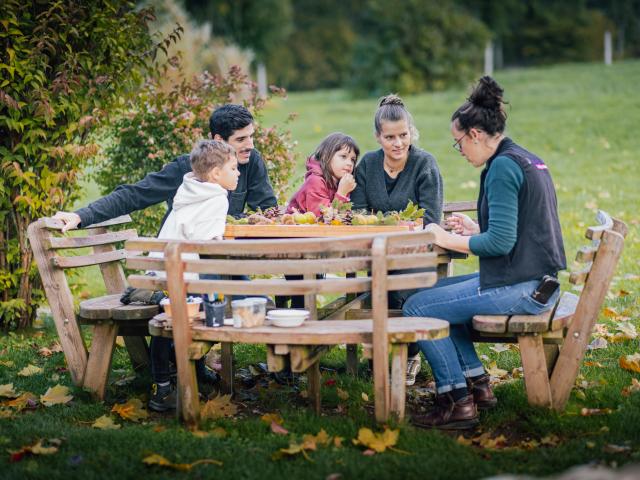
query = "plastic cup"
x=214 y=313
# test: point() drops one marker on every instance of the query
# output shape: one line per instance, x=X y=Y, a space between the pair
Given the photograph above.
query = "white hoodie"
x=199 y=213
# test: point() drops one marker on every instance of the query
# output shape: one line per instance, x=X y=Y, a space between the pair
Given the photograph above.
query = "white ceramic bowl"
x=288 y=313
x=287 y=322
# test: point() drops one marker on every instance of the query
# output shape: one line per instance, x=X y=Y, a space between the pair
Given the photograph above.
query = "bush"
x=159 y=125
x=414 y=46
x=62 y=66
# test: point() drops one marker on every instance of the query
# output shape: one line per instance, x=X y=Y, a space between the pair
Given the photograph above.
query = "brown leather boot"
x=482 y=392
x=449 y=414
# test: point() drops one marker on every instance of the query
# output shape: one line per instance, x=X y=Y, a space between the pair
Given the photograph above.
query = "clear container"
x=249 y=312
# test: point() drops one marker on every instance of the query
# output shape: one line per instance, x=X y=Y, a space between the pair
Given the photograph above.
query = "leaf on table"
x=160 y=461
x=132 y=410
x=278 y=429
x=56 y=396
x=218 y=407
x=26 y=400
x=270 y=418
x=633 y=388
x=7 y=391
x=496 y=372
x=30 y=370
x=105 y=422
x=630 y=362
x=378 y=442
x=342 y=394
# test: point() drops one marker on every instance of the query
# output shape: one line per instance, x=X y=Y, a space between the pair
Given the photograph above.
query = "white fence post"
x=608 y=50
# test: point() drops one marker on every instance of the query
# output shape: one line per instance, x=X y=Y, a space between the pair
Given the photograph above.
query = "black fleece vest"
x=539 y=249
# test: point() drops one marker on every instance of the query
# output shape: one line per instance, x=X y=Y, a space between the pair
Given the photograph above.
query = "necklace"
x=391 y=170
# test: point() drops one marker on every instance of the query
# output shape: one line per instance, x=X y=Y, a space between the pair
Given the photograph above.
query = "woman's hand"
x=439 y=233
x=462 y=224
x=346 y=185
x=444 y=239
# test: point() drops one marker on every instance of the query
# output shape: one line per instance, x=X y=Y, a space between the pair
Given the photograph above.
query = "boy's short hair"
x=227 y=119
x=208 y=154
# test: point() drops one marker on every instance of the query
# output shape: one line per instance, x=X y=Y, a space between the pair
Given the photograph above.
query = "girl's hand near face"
x=462 y=224
x=346 y=185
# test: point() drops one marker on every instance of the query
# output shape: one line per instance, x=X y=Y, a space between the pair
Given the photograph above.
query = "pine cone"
x=272 y=212
x=346 y=217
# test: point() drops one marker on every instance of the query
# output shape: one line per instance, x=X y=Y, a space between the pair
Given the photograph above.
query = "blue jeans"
x=457 y=300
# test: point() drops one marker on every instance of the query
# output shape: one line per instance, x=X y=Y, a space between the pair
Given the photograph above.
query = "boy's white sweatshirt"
x=199 y=213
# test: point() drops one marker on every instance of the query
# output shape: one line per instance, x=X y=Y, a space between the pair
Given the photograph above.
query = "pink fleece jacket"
x=314 y=191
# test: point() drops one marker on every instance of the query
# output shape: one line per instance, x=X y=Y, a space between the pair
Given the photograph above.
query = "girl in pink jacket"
x=329 y=175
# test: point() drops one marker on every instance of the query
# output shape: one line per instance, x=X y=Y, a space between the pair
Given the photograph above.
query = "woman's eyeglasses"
x=457 y=145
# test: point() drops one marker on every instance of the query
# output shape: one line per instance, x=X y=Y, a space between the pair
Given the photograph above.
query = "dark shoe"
x=208 y=382
x=162 y=398
x=449 y=414
x=482 y=392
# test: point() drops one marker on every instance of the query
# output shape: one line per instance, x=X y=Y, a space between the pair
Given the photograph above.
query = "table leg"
x=226 y=375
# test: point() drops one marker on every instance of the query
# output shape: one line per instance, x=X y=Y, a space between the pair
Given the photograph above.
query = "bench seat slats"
x=490 y=323
x=334 y=332
x=88 y=260
x=109 y=307
x=90 y=241
x=530 y=323
x=565 y=310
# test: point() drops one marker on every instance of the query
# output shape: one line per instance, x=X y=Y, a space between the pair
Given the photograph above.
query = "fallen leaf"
x=499 y=348
x=131 y=410
x=7 y=363
x=378 y=442
x=633 y=388
x=58 y=395
x=26 y=400
x=517 y=372
x=589 y=412
x=364 y=396
x=550 y=440
x=219 y=432
x=30 y=370
x=342 y=394
x=369 y=452
x=597 y=344
x=593 y=364
x=7 y=391
x=41 y=447
x=105 y=422
x=278 y=429
x=623 y=293
x=218 y=407
x=461 y=440
x=200 y=433
x=160 y=461
x=611 y=448
x=269 y=418
x=631 y=362
x=45 y=352
x=496 y=372
x=610 y=312
x=330 y=382
x=292 y=449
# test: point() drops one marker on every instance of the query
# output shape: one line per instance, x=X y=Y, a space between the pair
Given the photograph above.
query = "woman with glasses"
x=518 y=241
x=388 y=178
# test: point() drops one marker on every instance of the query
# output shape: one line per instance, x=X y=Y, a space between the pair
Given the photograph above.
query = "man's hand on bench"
x=71 y=220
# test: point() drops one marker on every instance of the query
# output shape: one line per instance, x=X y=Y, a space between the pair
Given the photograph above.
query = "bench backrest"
x=48 y=245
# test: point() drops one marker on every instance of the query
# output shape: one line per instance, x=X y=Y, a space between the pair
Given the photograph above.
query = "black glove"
x=142 y=295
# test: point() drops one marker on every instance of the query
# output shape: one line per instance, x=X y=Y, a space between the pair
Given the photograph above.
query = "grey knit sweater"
x=420 y=182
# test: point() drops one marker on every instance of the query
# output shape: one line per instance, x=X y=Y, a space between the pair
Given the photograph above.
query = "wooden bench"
x=304 y=345
x=553 y=344
x=106 y=314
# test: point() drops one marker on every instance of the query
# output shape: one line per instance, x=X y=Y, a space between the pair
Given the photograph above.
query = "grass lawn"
x=580 y=119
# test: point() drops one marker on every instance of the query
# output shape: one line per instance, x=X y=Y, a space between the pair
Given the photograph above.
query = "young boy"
x=199 y=213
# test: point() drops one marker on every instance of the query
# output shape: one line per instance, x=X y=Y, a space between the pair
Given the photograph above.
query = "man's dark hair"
x=227 y=119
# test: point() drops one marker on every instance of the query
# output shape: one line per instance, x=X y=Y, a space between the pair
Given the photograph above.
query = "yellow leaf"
x=337 y=441
x=365 y=397
x=589 y=412
x=132 y=410
x=39 y=449
x=270 y=418
x=631 y=362
x=219 y=432
x=633 y=388
x=55 y=396
x=467 y=442
x=45 y=352
x=342 y=394
x=218 y=407
x=378 y=442
x=6 y=363
x=160 y=461
x=496 y=372
x=610 y=312
x=22 y=402
x=7 y=391
x=29 y=370
x=105 y=422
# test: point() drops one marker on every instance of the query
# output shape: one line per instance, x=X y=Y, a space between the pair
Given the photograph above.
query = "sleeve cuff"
x=342 y=198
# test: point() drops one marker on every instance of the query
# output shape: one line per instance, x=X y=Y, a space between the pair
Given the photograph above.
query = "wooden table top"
x=310 y=231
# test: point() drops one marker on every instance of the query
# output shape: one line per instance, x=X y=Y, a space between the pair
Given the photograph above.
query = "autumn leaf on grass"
x=278 y=429
x=631 y=362
x=41 y=447
x=270 y=418
x=218 y=407
x=598 y=343
x=29 y=370
x=627 y=331
x=377 y=442
x=364 y=396
x=589 y=412
x=7 y=391
x=7 y=363
x=291 y=450
x=132 y=410
x=610 y=312
x=160 y=461
x=55 y=396
x=105 y=422
x=342 y=394
x=633 y=388
x=499 y=348
x=26 y=400
x=496 y=372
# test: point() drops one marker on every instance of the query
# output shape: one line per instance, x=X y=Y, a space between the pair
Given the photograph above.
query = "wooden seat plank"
x=109 y=307
x=490 y=323
x=530 y=323
x=564 y=312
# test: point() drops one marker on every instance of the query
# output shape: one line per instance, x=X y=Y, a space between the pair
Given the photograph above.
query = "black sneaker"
x=162 y=398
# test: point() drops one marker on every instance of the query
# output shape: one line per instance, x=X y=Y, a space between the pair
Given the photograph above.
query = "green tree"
x=62 y=65
x=415 y=45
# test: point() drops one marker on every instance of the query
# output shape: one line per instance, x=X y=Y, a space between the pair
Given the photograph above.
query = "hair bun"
x=391 y=99
x=487 y=94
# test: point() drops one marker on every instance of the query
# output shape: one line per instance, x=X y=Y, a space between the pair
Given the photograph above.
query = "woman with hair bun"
x=518 y=241
x=398 y=172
